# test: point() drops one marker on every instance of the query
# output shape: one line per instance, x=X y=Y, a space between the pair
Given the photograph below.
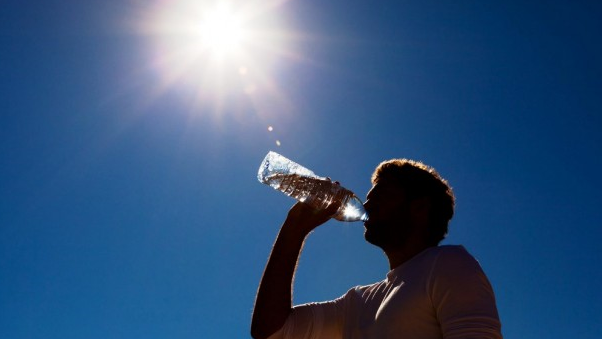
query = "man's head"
x=408 y=197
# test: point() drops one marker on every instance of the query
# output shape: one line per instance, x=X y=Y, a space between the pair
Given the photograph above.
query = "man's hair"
x=421 y=181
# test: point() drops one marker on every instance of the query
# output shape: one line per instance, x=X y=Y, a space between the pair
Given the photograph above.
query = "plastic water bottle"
x=304 y=185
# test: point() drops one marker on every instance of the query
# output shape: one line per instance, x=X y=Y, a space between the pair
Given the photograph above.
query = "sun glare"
x=213 y=49
x=221 y=31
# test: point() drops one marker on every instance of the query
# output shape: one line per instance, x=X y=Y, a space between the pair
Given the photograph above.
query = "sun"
x=222 y=31
x=195 y=30
x=217 y=55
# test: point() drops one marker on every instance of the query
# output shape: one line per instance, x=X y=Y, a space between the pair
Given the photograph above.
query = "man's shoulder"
x=454 y=258
x=456 y=252
x=361 y=291
x=450 y=249
x=438 y=253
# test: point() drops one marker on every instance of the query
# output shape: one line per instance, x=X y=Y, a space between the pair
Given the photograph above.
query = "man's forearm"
x=274 y=297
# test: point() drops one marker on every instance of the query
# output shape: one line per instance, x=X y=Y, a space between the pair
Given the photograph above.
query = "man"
x=431 y=291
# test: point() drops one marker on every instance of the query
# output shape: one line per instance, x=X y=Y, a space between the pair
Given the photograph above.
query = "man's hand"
x=304 y=218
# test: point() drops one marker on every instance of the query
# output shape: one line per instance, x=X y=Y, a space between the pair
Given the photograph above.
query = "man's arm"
x=274 y=297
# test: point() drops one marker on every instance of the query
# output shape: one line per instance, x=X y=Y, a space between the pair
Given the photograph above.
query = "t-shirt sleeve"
x=463 y=297
x=323 y=320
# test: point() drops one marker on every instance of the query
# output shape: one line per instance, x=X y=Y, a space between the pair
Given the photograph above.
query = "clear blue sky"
x=129 y=204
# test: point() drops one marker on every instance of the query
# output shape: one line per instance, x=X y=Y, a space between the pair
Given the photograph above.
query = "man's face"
x=388 y=209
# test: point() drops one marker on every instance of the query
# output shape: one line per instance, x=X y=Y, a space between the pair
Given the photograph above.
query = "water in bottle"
x=304 y=185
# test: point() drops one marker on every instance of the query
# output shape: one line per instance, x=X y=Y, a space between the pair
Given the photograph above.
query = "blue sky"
x=129 y=204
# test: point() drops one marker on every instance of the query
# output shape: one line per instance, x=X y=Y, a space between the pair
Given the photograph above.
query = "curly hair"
x=421 y=181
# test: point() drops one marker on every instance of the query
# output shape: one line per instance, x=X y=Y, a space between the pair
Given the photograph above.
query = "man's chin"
x=372 y=238
x=380 y=239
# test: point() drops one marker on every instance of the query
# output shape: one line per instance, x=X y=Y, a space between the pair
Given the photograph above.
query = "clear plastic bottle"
x=304 y=185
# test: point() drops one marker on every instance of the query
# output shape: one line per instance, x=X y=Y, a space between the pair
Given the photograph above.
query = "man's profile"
x=431 y=291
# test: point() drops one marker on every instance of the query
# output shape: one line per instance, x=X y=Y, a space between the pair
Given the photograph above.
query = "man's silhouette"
x=431 y=291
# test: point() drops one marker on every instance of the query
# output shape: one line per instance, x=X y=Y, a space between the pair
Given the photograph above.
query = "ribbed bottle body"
x=302 y=184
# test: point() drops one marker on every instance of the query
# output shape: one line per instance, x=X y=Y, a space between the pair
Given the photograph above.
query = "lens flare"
x=215 y=48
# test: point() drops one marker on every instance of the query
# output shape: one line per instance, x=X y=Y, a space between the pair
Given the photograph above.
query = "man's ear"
x=419 y=208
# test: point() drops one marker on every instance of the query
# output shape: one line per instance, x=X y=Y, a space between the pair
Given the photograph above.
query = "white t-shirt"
x=440 y=293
